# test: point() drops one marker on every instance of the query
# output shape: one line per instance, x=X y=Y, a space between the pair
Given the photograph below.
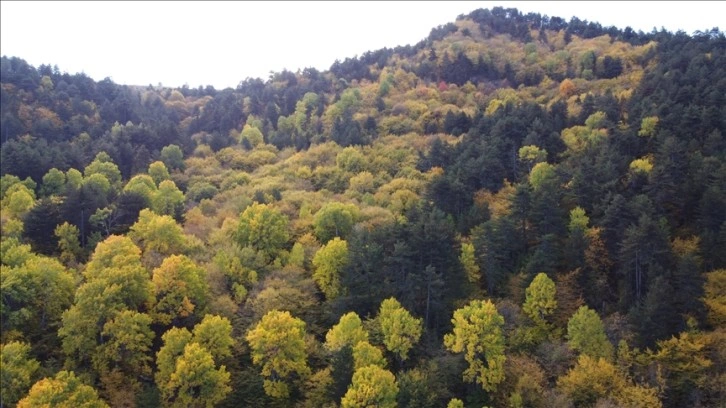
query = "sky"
x=222 y=43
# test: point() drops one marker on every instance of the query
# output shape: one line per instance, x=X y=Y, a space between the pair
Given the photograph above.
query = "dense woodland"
x=517 y=211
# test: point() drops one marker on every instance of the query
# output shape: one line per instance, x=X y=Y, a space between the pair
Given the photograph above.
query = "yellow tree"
x=181 y=289
x=65 y=390
x=329 y=262
x=348 y=332
x=478 y=333
x=277 y=345
x=372 y=386
x=400 y=330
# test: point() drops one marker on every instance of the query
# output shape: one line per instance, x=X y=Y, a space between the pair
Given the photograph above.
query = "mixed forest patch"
x=516 y=211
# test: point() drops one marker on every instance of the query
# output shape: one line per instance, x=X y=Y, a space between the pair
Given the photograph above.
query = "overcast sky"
x=222 y=43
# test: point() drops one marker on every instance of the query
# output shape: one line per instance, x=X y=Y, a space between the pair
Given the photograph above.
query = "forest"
x=517 y=211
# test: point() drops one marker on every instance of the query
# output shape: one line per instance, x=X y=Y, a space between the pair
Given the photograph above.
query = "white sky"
x=222 y=43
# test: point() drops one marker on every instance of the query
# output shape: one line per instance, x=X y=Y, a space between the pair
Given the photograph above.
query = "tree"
x=215 y=334
x=195 y=381
x=372 y=386
x=348 y=332
x=181 y=289
x=34 y=296
x=469 y=263
x=400 y=330
x=478 y=333
x=65 y=390
x=68 y=242
x=17 y=370
x=540 y=300
x=53 y=183
x=115 y=281
x=715 y=297
x=586 y=334
x=329 y=263
x=168 y=200
x=334 y=219
x=455 y=403
x=158 y=172
x=591 y=379
x=277 y=345
x=173 y=157
x=365 y=354
x=262 y=228
x=158 y=233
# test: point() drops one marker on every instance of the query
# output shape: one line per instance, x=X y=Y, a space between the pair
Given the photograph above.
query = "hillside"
x=516 y=211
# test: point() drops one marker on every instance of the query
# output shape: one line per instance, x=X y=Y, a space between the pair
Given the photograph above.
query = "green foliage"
x=263 y=228
x=540 y=300
x=17 y=371
x=400 y=330
x=173 y=157
x=348 y=332
x=478 y=333
x=371 y=386
x=578 y=220
x=277 y=345
x=195 y=382
x=586 y=334
x=648 y=126
x=365 y=354
x=35 y=292
x=158 y=172
x=168 y=199
x=329 y=263
x=181 y=289
x=469 y=263
x=334 y=220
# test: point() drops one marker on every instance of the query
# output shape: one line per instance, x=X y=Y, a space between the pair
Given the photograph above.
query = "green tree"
x=400 y=330
x=334 y=219
x=174 y=342
x=586 y=334
x=143 y=185
x=168 y=200
x=181 y=289
x=215 y=334
x=173 y=157
x=348 y=332
x=251 y=136
x=329 y=263
x=158 y=172
x=469 y=262
x=277 y=345
x=34 y=295
x=158 y=233
x=68 y=242
x=365 y=354
x=478 y=333
x=103 y=165
x=115 y=281
x=263 y=228
x=540 y=300
x=17 y=370
x=372 y=386
x=54 y=182
x=195 y=381
x=65 y=390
